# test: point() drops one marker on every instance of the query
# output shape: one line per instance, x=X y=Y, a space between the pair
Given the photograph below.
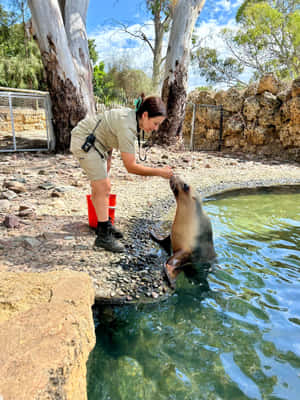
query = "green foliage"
x=217 y=70
x=92 y=51
x=131 y=81
x=103 y=85
x=204 y=88
x=267 y=40
x=272 y=37
x=121 y=84
x=20 y=60
x=6 y=20
x=22 y=72
x=161 y=8
x=241 y=11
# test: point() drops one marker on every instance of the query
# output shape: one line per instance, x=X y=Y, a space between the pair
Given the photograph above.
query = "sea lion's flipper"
x=165 y=243
x=174 y=266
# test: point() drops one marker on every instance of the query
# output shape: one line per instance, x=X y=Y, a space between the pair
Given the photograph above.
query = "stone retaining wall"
x=263 y=119
x=24 y=120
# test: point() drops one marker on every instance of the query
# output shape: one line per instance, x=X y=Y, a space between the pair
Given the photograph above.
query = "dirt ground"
x=44 y=224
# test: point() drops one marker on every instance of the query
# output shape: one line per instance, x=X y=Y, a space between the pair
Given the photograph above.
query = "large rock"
x=231 y=100
x=285 y=94
x=233 y=125
x=289 y=136
x=46 y=335
x=255 y=135
x=201 y=97
x=268 y=83
x=296 y=87
x=251 y=108
x=208 y=117
x=294 y=105
x=269 y=108
x=251 y=90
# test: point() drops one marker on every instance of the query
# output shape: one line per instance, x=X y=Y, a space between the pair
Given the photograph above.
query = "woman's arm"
x=109 y=158
x=138 y=169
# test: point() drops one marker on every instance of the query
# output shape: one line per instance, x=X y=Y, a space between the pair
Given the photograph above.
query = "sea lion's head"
x=181 y=190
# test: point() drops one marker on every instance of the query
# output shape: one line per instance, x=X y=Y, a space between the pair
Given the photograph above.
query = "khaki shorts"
x=91 y=162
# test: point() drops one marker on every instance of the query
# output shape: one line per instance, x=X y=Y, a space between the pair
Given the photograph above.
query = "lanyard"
x=146 y=150
x=139 y=141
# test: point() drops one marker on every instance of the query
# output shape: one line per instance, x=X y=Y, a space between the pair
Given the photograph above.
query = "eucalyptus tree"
x=175 y=83
x=160 y=11
x=60 y=29
x=269 y=36
x=267 y=39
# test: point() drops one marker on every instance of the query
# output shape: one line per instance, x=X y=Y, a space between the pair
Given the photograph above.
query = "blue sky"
x=112 y=44
x=134 y=11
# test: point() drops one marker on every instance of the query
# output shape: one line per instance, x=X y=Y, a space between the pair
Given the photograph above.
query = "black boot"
x=106 y=240
x=114 y=231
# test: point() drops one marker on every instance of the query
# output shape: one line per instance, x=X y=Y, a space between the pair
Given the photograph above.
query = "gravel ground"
x=43 y=201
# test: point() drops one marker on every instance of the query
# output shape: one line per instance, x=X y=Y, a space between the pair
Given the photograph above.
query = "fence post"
x=192 y=128
x=50 y=133
x=221 y=128
x=12 y=122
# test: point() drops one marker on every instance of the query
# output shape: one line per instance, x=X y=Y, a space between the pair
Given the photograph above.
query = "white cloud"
x=225 y=4
x=112 y=43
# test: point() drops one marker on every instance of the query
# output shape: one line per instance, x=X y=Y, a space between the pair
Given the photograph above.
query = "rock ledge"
x=46 y=335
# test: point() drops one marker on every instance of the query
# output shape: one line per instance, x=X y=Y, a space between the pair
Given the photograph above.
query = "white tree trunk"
x=174 y=90
x=159 y=27
x=75 y=17
x=60 y=30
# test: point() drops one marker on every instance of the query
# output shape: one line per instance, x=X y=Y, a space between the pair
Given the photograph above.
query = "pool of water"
x=231 y=334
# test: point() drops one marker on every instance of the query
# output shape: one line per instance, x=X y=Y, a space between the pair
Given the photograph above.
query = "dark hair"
x=153 y=105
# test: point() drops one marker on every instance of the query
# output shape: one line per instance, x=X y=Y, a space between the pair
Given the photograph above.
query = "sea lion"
x=191 y=238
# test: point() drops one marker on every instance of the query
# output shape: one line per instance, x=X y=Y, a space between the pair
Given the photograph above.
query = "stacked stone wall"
x=24 y=120
x=263 y=119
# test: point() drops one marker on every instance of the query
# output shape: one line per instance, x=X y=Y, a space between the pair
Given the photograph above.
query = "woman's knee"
x=101 y=187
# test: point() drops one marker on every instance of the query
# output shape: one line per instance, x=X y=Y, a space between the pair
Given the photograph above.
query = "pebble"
x=11 y=221
x=15 y=186
x=46 y=186
x=31 y=243
x=4 y=205
x=9 y=195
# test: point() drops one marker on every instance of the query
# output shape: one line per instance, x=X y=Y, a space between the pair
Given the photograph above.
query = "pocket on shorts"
x=75 y=145
x=91 y=162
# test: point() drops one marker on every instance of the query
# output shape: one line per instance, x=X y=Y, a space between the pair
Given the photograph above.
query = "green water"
x=234 y=335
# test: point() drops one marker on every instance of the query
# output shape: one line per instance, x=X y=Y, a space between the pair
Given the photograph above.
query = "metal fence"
x=210 y=119
x=25 y=121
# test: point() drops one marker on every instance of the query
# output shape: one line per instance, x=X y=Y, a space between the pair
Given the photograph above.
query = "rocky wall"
x=24 y=120
x=263 y=119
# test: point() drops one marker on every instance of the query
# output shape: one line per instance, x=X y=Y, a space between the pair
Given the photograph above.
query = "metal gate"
x=212 y=121
x=25 y=121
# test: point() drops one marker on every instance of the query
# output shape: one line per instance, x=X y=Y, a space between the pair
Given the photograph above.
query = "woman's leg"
x=100 y=198
x=106 y=234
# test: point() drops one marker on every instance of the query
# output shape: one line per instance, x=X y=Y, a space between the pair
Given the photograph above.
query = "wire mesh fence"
x=25 y=121
x=26 y=125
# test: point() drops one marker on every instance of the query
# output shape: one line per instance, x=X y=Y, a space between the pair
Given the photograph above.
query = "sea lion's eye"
x=186 y=188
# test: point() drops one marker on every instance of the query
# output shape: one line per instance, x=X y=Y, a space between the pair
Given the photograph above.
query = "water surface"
x=231 y=334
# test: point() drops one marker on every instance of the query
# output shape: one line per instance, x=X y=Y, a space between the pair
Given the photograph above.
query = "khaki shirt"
x=117 y=130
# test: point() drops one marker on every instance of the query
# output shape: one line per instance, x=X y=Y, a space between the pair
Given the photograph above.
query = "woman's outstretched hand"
x=166 y=172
